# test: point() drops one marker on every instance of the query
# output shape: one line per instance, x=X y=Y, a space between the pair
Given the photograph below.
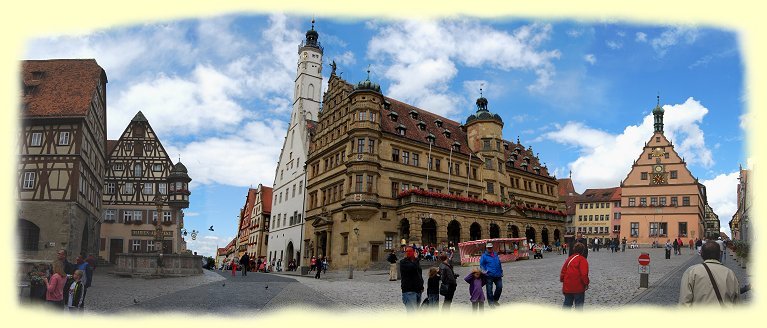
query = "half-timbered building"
x=139 y=172
x=259 y=216
x=61 y=156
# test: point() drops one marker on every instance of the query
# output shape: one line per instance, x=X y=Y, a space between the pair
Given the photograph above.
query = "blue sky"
x=218 y=92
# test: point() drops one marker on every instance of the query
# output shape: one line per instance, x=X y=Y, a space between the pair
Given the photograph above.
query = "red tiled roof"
x=266 y=199
x=597 y=195
x=566 y=187
x=111 y=144
x=617 y=194
x=65 y=89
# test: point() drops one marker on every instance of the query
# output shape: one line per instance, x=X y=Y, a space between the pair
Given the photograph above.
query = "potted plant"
x=742 y=249
x=37 y=287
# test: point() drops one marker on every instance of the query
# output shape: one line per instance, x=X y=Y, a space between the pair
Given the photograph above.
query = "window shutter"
x=144 y=246
x=119 y=216
x=130 y=246
x=147 y=216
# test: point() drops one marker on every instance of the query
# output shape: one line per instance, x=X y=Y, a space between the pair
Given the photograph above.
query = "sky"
x=218 y=92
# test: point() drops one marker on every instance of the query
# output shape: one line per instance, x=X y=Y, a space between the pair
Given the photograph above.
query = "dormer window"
x=422 y=125
x=430 y=138
x=514 y=156
x=537 y=170
x=516 y=150
x=401 y=129
x=446 y=133
x=527 y=159
x=438 y=122
x=393 y=116
x=505 y=146
x=456 y=146
x=387 y=105
x=414 y=114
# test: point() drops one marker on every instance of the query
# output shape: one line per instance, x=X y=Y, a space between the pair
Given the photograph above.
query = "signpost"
x=644 y=270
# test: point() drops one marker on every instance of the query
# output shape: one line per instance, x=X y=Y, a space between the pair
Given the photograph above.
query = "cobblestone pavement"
x=614 y=281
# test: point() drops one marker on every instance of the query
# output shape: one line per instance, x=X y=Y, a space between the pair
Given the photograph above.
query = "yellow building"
x=660 y=197
x=594 y=211
x=380 y=171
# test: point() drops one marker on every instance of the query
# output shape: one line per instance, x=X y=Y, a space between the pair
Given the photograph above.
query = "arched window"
x=29 y=235
x=311 y=91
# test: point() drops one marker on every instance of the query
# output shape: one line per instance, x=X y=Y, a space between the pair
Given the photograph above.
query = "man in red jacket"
x=575 y=278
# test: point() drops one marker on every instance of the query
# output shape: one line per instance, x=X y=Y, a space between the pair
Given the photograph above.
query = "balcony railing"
x=449 y=203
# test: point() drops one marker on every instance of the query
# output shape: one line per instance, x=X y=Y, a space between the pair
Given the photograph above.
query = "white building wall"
x=290 y=176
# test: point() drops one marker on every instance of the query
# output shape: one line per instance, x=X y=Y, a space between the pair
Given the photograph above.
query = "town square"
x=242 y=164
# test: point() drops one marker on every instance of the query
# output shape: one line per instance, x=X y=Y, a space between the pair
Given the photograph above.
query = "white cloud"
x=590 y=58
x=606 y=158
x=244 y=158
x=176 y=105
x=421 y=57
x=614 y=45
x=206 y=245
x=574 y=33
x=722 y=196
x=641 y=37
x=191 y=214
x=672 y=37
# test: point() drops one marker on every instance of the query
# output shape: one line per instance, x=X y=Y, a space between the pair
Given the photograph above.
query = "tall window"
x=358 y=186
x=394 y=189
x=490 y=188
x=642 y=201
x=686 y=201
x=136 y=245
x=110 y=188
x=63 y=138
x=372 y=146
x=405 y=158
x=363 y=115
x=370 y=183
x=127 y=216
x=662 y=200
x=389 y=242
x=415 y=159
x=162 y=188
x=360 y=145
x=137 y=216
x=674 y=201
x=37 y=139
x=29 y=180
x=674 y=174
x=485 y=144
x=635 y=229
x=128 y=189
x=346 y=244
x=395 y=155
x=436 y=165
x=147 y=188
x=138 y=170
x=654 y=201
x=166 y=216
x=653 y=229
x=644 y=175
x=683 y=229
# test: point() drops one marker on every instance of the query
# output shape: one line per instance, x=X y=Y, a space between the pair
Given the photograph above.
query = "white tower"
x=287 y=216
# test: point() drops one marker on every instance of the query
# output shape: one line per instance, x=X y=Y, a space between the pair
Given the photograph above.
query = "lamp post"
x=351 y=263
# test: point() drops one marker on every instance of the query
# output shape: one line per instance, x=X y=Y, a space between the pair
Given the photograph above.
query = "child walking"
x=476 y=281
x=432 y=292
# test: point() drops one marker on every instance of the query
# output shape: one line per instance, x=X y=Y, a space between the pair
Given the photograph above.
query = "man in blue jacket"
x=490 y=265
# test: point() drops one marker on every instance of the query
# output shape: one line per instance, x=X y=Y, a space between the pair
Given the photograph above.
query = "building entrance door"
x=115 y=247
x=374 y=253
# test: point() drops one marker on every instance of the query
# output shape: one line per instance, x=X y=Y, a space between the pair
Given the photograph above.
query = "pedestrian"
x=675 y=245
x=279 y=265
x=448 y=281
x=258 y=264
x=575 y=278
x=75 y=292
x=61 y=255
x=722 y=249
x=392 y=259
x=623 y=245
x=313 y=263
x=668 y=249
x=324 y=264
x=583 y=241
x=319 y=269
x=709 y=282
x=55 y=286
x=564 y=248
x=234 y=267
x=244 y=261
x=698 y=244
x=432 y=287
x=691 y=244
x=490 y=265
x=476 y=279
x=412 y=280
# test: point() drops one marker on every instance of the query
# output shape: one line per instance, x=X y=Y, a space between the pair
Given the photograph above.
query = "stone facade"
x=371 y=182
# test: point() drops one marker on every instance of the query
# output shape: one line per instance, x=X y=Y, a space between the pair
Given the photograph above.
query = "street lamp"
x=351 y=265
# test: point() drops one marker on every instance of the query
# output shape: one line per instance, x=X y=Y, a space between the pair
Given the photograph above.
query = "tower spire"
x=657 y=113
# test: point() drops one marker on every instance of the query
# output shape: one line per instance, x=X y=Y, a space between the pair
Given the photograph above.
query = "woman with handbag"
x=575 y=278
x=447 y=280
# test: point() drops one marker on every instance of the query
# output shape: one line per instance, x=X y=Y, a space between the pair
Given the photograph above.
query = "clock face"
x=658 y=168
x=658 y=179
